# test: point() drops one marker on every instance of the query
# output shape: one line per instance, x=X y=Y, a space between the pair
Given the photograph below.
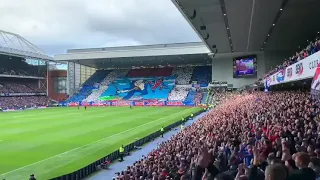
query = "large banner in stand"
x=303 y=69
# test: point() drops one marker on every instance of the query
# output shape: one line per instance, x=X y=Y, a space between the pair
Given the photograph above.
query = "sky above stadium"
x=58 y=25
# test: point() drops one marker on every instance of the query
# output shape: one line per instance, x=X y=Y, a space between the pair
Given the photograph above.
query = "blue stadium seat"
x=191 y=96
x=88 y=86
x=84 y=92
x=97 y=77
x=202 y=74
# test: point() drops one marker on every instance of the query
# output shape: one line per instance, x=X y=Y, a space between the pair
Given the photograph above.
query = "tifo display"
x=178 y=85
x=139 y=89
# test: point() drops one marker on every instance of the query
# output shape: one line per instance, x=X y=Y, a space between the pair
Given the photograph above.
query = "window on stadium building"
x=60 y=85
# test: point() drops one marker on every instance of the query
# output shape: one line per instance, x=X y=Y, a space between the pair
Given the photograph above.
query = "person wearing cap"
x=121 y=151
x=162 y=131
x=191 y=115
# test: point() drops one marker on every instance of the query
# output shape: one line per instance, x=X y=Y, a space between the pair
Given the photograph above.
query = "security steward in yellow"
x=121 y=151
x=162 y=131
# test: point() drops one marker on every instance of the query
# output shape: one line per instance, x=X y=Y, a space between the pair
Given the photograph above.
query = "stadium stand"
x=138 y=89
x=178 y=94
x=183 y=75
x=8 y=85
x=23 y=102
x=91 y=84
x=93 y=97
x=18 y=66
x=83 y=93
x=98 y=85
x=261 y=134
x=97 y=77
x=117 y=73
x=103 y=86
x=202 y=74
x=191 y=96
x=150 y=72
x=312 y=48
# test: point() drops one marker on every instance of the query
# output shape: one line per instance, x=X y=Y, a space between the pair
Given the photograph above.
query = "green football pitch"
x=56 y=141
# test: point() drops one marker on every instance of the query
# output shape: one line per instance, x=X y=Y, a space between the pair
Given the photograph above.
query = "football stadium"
x=241 y=104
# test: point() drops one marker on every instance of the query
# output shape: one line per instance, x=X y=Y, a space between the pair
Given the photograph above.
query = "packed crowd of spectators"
x=20 y=87
x=312 y=48
x=178 y=94
x=23 y=102
x=202 y=75
x=25 y=72
x=249 y=136
x=183 y=75
x=12 y=101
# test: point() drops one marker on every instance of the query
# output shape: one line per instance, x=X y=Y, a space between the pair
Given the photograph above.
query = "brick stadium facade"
x=52 y=76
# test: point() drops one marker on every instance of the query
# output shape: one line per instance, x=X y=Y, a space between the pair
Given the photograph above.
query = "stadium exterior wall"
x=222 y=70
x=52 y=75
x=92 y=168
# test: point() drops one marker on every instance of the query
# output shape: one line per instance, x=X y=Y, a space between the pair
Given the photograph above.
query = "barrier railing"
x=93 y=167
x=300 y=70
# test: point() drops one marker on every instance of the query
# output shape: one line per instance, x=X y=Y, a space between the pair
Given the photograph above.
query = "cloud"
x=58 y=25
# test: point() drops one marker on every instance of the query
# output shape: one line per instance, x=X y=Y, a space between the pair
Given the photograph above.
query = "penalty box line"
x=90 y=143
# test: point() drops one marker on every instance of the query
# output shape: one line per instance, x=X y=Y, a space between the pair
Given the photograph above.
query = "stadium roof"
x=145 y=55
x=14 y=45
x=252 y=25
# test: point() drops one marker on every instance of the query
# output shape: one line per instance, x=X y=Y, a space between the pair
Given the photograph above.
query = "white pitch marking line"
x=58 y=155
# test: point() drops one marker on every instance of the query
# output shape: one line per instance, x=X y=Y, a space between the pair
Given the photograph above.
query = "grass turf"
x=57 y=141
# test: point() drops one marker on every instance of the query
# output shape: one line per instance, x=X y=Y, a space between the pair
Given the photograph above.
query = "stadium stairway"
x=136 y=155
x=104 y=84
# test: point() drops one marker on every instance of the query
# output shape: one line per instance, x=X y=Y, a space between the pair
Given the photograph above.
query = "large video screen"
x=245 y=66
